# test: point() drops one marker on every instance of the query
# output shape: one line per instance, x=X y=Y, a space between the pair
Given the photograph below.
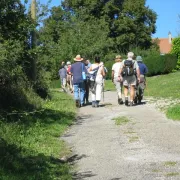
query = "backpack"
x=92 y=75
x=128 y=69
x=92 y=79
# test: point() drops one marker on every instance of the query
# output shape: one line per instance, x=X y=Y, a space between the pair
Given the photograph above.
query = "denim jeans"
x=79 y=91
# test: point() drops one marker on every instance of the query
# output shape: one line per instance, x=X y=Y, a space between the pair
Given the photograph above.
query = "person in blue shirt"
x=142 y=84
x=142 y=67
x=62 y=74
x=78 y=83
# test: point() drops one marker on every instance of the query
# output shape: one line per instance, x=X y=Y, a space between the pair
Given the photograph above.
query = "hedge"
x=160 y=64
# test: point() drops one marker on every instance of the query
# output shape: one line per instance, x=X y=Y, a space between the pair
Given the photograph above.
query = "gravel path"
x=145 y=148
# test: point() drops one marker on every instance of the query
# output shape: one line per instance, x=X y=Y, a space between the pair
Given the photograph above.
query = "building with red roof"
x=165 y=44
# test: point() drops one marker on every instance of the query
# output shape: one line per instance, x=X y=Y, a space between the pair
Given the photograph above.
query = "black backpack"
x=128 y=69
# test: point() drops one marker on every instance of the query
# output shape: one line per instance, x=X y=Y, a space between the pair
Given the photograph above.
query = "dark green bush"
x=15 y=88
x=160 y=64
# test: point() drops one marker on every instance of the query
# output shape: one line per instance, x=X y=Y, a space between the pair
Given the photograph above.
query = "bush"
x=160 y=64
x=176 y=50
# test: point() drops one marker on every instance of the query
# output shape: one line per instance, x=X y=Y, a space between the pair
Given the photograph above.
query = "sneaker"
x=77 y=103
x=126 y=101
x=93 y=103
x=82 y=104
x=120 y=101
x=97 y=104
x=131 y=103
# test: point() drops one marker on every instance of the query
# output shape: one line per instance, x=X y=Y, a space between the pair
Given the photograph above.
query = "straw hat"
x=78 y=58
x=118 y=58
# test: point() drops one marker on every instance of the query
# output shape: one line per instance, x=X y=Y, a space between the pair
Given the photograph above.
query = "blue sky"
x=167 y=19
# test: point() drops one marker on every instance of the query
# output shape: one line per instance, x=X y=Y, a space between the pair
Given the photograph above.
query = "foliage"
x=176 y=50
x=160 y=64
x=130 y=23
x=16 y=59
x=30 y=147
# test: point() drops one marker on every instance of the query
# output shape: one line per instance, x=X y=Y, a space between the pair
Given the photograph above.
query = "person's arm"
x=138 y=73
x=112 y=73
x=90 y=69
x=103 y=72
x=112 y=76
x=120 y=71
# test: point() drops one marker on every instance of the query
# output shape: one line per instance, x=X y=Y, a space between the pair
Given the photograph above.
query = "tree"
x=131 y=23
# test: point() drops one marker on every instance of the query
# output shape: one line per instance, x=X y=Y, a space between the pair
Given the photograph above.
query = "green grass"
x=56 y=84
x=172 y=174
x=121 y=120
x=170 y=163
x=109 y=86
x=174 y=112
x=166 y=86
x=30 y=147
x=133 y=139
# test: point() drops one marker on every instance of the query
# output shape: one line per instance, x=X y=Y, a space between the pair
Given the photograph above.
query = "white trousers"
x=97 y=95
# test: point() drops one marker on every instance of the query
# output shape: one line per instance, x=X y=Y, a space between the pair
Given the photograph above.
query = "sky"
x=167 y=19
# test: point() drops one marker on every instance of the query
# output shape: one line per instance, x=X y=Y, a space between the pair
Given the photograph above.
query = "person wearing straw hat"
x=77 y=70
x=115 y=73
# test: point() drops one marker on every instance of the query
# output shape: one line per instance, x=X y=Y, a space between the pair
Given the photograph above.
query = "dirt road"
x=145 y=148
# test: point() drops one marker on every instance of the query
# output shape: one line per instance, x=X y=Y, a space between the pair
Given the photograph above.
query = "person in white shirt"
x=117 y=82
x=97 y=90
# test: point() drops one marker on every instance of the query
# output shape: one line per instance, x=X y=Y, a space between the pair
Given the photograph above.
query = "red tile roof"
x=164 y=45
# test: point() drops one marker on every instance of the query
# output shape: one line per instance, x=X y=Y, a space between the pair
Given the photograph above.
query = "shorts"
x=129 y=80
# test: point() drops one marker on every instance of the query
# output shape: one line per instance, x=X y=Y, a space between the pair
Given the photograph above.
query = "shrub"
x=176 y=50
x=160 y=64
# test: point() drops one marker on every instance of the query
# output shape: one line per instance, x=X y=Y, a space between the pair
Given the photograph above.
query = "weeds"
x=170 y=163
x=121 y=120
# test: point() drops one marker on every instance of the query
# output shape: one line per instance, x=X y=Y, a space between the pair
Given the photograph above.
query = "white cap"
x=68 y=63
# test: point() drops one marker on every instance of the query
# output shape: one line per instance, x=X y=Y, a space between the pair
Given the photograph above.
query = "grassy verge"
x=121 y=120
x=30 y=147
x=174 y=112
x=166 y=86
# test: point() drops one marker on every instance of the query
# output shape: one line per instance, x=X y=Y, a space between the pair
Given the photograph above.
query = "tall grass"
x=30 y=147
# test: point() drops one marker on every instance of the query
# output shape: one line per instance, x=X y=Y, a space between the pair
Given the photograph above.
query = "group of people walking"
x=82 y=77
x=129 y=73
